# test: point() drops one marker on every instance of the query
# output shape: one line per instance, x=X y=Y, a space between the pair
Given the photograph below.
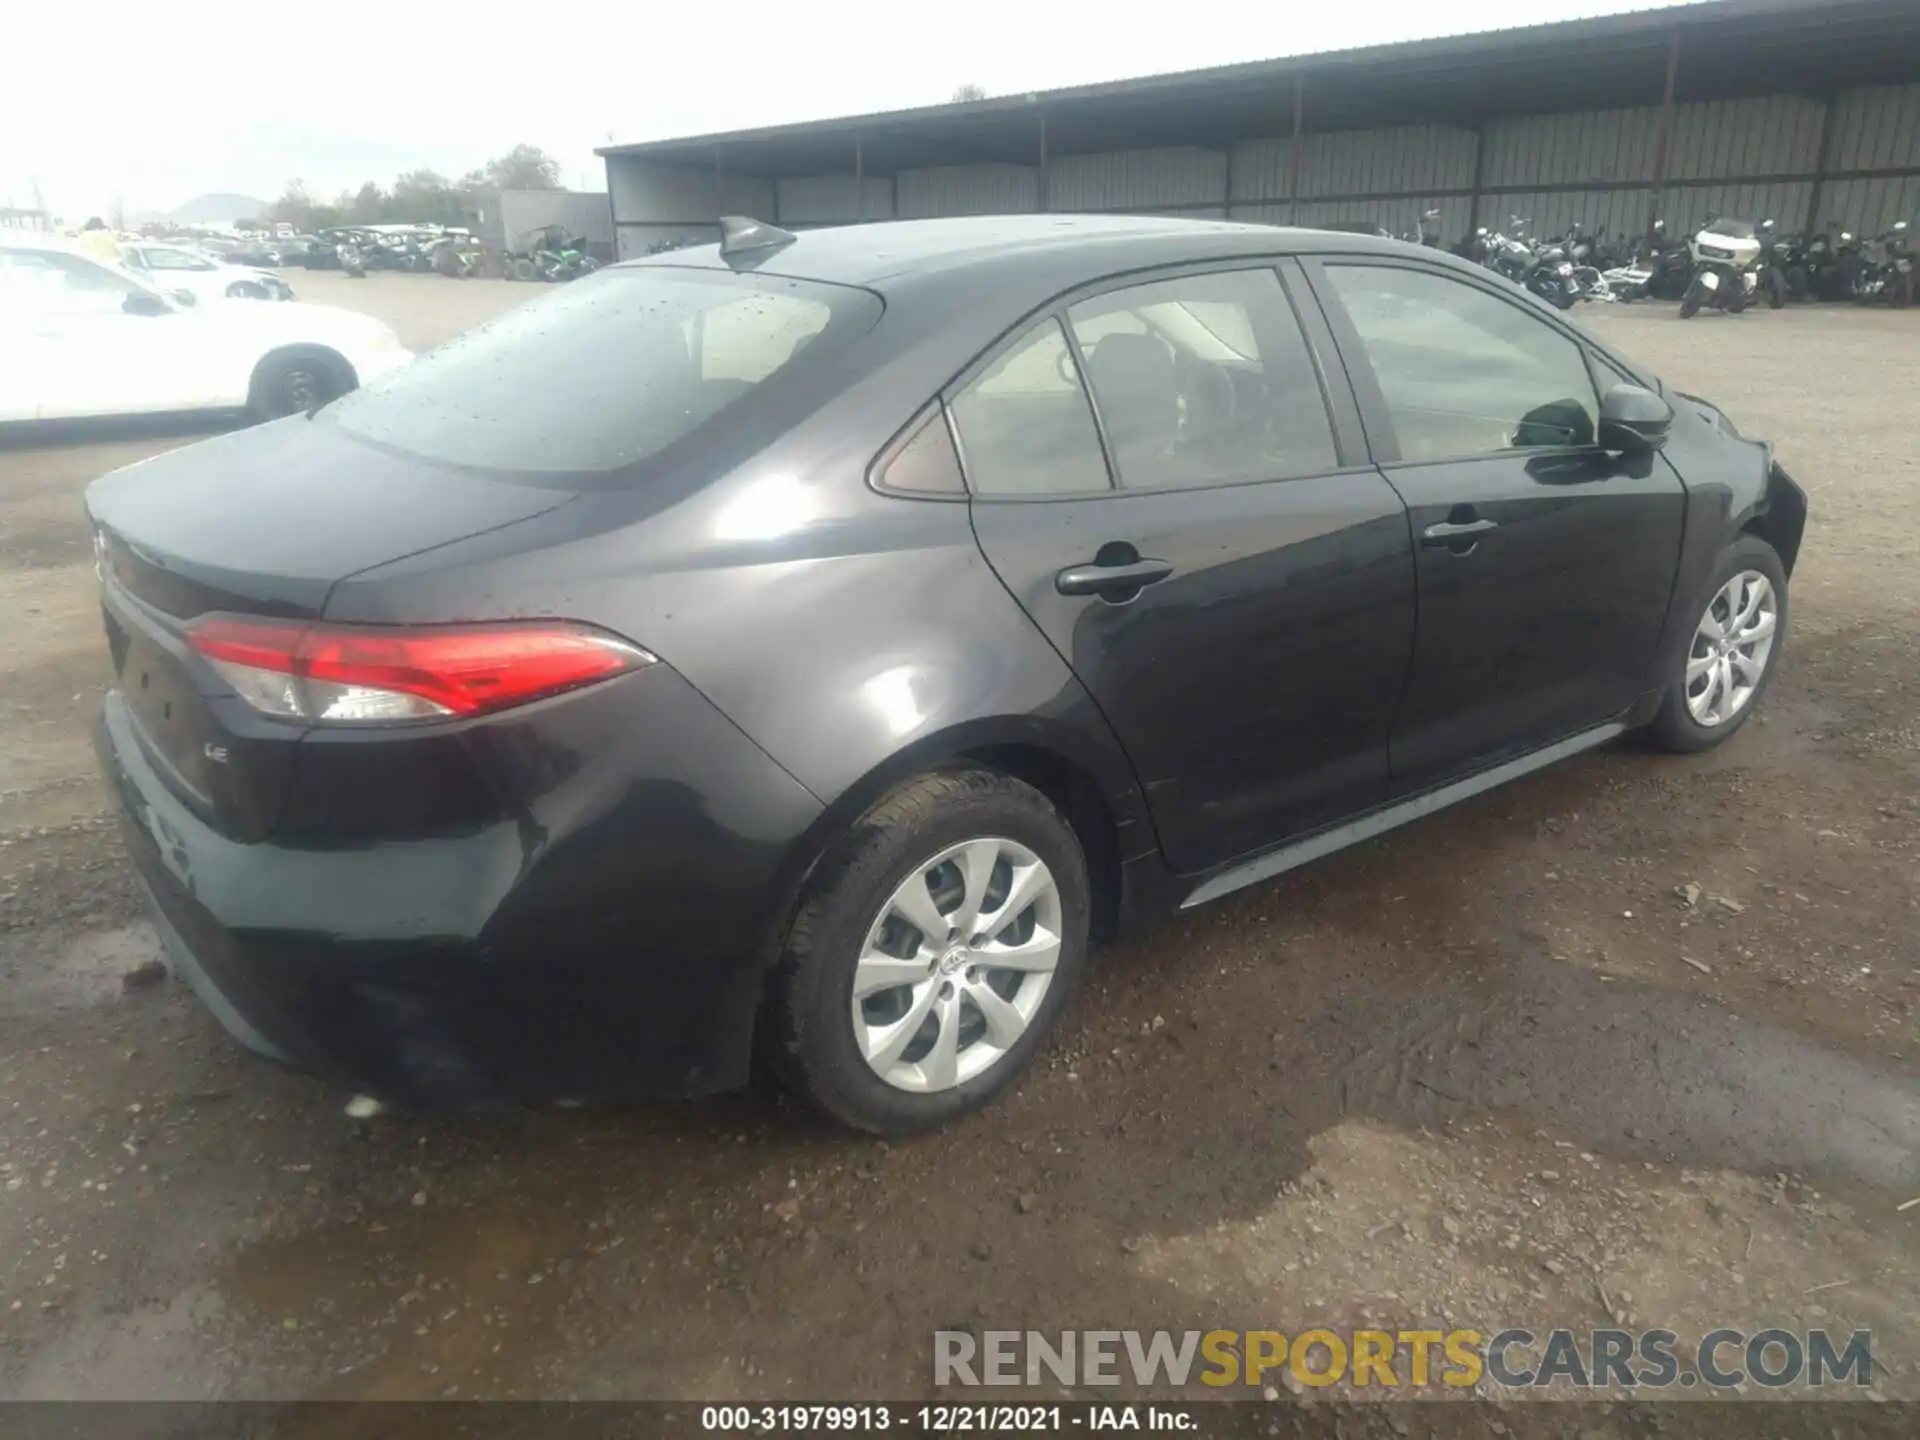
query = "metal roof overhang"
x=1728 y=49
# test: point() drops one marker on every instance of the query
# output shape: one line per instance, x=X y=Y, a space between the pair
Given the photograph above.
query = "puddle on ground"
x=1653 y=1073
x=41 y=972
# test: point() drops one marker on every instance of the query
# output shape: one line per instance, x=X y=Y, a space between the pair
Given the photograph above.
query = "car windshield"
x=1731 y=229
x=60 y=281
x=607 y=372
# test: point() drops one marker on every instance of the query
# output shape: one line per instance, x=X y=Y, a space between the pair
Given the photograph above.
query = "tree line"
x=422 y=196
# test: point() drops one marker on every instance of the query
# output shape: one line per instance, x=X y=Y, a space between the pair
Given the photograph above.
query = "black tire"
x=1674 y=727
x=1736 y=296
x=1900 y=289
x=1690 y=302
x=1776 y=290
x=1799 y=285
x=292 y=382
x=813 y=1048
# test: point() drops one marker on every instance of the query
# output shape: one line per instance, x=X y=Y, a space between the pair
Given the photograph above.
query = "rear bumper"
x=619 y=956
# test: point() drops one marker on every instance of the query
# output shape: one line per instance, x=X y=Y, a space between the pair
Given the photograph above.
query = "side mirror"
x=1633 y=420
x=144 y=302
x=1899 y=227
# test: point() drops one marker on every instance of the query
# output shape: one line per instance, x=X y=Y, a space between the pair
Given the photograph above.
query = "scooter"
x=1724 y=254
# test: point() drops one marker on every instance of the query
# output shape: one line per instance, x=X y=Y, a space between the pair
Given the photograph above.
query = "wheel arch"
x=1780 y=518
x=1047 y=754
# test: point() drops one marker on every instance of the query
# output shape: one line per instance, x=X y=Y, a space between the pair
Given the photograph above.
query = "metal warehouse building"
x=1806 y=111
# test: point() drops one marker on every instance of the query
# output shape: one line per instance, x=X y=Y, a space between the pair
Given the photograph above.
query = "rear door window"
x=606 y=372
x=1204 y=379
x=1025 y=426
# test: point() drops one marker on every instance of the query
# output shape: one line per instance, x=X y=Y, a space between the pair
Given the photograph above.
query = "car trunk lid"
x=261 y=522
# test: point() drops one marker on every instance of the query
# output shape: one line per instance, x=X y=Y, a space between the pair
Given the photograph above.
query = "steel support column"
x=1821 y=165
x=859 y=182
x=1043 y=162
x=1293 y=147
x=1479 y=176
x=1664 y=141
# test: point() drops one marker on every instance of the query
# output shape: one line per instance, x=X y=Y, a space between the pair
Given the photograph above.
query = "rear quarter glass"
x=598 y=378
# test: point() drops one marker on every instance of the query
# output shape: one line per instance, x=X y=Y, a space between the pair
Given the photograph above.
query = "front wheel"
x=1776 y=289
x=1690 y=302
x=923 y=974
x=1719 y=678
x=297 y=382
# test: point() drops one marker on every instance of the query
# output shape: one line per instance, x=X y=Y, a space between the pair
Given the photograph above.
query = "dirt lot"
x=1489 y=1070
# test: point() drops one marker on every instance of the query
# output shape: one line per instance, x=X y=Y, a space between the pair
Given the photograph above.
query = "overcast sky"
x=116 y=100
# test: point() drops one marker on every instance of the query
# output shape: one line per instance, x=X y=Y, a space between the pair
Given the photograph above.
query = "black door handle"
x=1448 y=533
x=1111 y=581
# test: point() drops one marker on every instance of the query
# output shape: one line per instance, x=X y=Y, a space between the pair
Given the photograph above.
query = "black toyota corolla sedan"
x=795 y=649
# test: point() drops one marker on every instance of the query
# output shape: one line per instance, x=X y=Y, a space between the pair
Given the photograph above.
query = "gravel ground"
x=1494 y=1068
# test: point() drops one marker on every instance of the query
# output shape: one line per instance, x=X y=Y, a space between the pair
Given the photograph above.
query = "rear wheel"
x=524 y=269
x=1719 y=679
x=1776 y=289
x=294 y=382
x=925 y=971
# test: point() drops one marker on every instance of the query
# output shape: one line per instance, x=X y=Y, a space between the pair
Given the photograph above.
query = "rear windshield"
x=606 y=372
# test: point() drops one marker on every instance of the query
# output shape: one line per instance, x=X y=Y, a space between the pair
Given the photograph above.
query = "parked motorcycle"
x=1830 y=265
x=1769 y=267
x=1551 y=277
x=1724 y=256
x=1886 y=270
x=1508 y=254
x=1786 y=257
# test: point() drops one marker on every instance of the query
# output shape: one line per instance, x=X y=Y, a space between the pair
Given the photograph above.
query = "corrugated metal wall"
x=1136 y=180
x=631 y=242
x=967 y=190
x=579 y=212
x=1751 y=158
x=830 y=199
x=655 y=194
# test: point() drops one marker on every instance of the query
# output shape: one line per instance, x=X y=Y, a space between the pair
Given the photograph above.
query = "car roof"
x=879 y=254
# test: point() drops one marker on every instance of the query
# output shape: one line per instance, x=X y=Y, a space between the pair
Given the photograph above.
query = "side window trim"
x=1371 y=402
x=1375 y=414
x=1336 y=386
x=1093 y=400
x=1053 y=313
x=1340 y=389
x=932 y=413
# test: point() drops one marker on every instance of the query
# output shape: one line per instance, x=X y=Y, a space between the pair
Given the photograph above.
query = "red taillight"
x=373 y=674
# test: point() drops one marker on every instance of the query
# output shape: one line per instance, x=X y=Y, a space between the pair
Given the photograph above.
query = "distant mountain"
x=217 y=208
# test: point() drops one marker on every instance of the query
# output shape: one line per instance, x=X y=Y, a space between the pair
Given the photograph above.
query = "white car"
x=182 y=270
x=83 y=339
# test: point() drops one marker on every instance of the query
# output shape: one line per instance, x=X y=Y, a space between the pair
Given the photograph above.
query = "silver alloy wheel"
x=956 y=965
x=1731 y=648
